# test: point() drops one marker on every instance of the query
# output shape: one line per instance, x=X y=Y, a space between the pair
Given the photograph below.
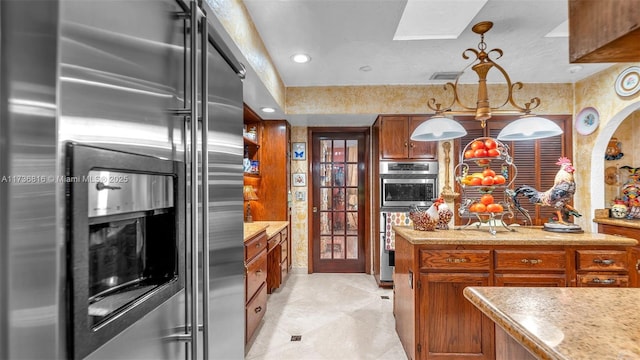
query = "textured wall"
x=299 y=210
x=556 y=98
x=597 y=91
x=234 y=17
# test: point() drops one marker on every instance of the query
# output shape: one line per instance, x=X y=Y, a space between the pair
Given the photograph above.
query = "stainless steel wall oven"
x=408 y=183
x=125 y=238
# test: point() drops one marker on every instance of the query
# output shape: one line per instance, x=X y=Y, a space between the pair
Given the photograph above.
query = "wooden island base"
x=433 y=318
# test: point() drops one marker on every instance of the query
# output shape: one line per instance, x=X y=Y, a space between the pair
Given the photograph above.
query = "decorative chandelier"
x=537 y=127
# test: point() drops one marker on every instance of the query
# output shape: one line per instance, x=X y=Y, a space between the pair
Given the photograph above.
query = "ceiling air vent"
x=445 y=76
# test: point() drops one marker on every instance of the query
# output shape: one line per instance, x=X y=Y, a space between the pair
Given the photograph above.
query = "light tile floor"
x=339 y=316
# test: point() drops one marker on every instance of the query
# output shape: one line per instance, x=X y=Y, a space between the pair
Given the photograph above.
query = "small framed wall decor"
x=628 y=82
x=299 y=151
x=300 y=179
x=587 y=121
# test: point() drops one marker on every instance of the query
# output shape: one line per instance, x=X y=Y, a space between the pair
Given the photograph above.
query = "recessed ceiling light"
x=301 y=58
x=575 y=68
x=268 y=109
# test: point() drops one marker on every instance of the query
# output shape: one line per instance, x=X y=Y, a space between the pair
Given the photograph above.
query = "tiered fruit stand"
x=485 y=172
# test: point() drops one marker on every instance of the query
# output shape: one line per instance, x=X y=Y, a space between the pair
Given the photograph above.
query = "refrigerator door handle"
x=193 y=59
x=205 y=183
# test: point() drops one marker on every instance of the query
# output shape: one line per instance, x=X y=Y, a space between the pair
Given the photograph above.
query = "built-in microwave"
x=403 y=184
x=125 y=240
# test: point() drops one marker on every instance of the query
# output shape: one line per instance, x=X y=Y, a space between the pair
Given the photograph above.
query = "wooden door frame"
x=366 y=131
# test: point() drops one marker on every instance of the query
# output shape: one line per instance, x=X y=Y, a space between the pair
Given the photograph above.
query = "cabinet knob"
x=406 y=144
x=603 y=281
x=604 y=261
x=413 y=145
x=531 y=261
x=258 y=309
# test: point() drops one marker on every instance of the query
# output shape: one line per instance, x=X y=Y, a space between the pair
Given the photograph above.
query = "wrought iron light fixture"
x=537 y=127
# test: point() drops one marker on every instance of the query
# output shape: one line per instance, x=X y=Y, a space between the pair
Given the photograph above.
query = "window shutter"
x=535 y=162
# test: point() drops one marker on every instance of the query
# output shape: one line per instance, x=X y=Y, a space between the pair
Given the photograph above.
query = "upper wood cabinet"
x=604 y=31
x=394 y=136
x=275 y=171
x=272 y=181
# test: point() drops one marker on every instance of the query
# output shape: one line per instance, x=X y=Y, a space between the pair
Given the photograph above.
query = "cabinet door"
x=420 y=149
x=450 y=325
x=394 y=142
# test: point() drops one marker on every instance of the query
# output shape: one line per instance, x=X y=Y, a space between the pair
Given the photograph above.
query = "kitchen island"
x=562 y=323
x=433 y=318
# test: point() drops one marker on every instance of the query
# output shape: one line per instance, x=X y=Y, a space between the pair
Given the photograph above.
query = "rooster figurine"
x=558 y=196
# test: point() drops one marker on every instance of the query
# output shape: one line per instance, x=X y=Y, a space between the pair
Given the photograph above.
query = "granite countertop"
x=522 y=236
x=566 y=323
x=273 y=227
x=635 y=223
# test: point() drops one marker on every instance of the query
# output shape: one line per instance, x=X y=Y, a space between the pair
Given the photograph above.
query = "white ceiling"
x=342 y=36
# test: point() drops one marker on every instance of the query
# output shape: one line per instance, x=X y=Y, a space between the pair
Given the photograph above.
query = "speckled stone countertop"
x=522 y=236
x=272 y=227
x=566 y=323
x=635 y=223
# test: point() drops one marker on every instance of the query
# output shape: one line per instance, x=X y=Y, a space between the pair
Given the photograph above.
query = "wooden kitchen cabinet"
x=604 y=31
x=444 y=304
x=394 y=137
x=433 y=318
x=630 y=232
x=530 y=268
x=602 y=268
x=255 y=258
x=277 y=260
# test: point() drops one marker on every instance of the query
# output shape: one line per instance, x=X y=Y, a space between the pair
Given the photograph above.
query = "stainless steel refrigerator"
x=126 y=80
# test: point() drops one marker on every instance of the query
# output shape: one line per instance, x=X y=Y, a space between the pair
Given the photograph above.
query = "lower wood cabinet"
x=255 y=260
x=455 y=328
x=435 y=321
x=634 y=258
x=277 y=260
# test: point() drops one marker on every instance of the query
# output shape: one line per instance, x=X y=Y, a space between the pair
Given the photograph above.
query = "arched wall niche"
x=597 y=158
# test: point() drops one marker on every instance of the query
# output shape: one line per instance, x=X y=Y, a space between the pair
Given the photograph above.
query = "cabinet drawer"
x=603 y=280
x=256 y=275
x=254 y=245
x=601 y=260
x=530 y=260
x=455 y=259
x=273 y=241
x=254 y=311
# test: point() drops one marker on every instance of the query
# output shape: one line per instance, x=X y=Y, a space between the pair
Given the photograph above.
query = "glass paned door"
x=339 y=184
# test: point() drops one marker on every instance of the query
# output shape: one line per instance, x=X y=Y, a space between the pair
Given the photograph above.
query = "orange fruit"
x=488 y=172
x=486 y=199
x=475 y=181
x=477 y=144
x=487 y=181
x=494 y=208
x=480 y=207
x=499 y=180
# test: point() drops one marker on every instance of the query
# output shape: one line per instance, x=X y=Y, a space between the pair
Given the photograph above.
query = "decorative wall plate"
x=628 y=82
x=587 y=121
